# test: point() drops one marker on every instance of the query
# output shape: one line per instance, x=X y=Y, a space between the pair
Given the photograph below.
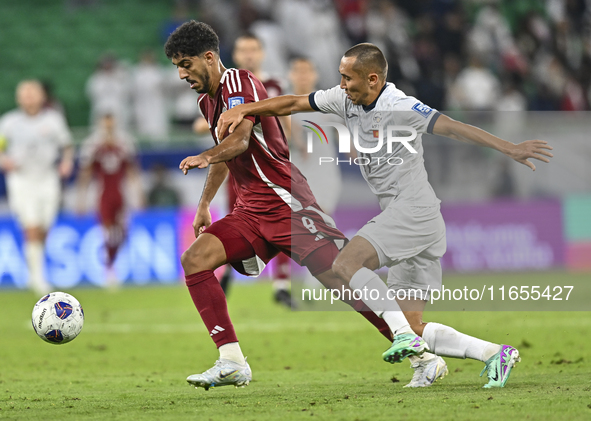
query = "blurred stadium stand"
x=61 y=42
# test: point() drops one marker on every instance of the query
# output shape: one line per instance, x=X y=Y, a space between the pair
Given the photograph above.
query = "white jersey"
x=34 y=143
x=397 y=174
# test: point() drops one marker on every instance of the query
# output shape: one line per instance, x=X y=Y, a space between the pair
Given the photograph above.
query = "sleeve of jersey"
x=242 y=88
x=330 y=101
x=417 y=115
x=63 y=132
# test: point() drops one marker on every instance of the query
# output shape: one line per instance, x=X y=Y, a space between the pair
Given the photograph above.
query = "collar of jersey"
x=371 y=106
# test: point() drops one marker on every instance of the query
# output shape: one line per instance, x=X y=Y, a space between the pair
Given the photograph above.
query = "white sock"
x=281 y=284
x=365 y=280
x=35 y=255
x=425 y=357
x=232 y=352
x=448 y=342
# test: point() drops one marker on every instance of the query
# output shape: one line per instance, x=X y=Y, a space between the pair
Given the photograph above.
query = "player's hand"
x=202 y=220
x=228 y=121
x=537 y=149
x=190 y=162
x=7 y=164
x=65 y=168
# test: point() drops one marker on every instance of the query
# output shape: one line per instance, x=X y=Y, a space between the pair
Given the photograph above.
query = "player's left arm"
x=521 y=152
x=231 y=147
x=66 y=165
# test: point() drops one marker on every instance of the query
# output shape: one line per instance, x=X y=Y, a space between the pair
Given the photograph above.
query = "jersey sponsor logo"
x=236 y=100
x=422 y=109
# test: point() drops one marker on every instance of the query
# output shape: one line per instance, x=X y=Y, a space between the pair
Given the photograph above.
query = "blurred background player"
x=324 y=180
x=109 y=156
x=33 y=140
x=249 y=54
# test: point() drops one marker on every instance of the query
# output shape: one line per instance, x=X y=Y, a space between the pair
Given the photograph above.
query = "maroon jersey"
x=263 y=177
x=273 y=88
x=109 y=165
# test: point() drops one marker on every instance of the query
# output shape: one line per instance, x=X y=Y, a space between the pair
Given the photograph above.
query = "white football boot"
x=428 y=372
x=223 y=373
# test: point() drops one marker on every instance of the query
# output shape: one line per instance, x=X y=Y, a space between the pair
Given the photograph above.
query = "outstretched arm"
x=231 y=147
x=278 y=106
x=537 y=149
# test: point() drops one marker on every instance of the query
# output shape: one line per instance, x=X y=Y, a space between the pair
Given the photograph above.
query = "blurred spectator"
x=149 y=104
x=161 y=195
x=511 y=99
x=312 y=29
x=108 y=89
x=352 y=14
x=388 y=27
x=476 y=88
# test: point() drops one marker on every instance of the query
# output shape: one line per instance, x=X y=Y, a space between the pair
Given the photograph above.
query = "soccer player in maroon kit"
x=275 y=210
x=109 y=156
x=249 y=54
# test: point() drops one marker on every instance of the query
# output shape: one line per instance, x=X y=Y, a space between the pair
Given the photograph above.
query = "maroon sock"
x=362 y=308
x=210 y=301
x=111 y=254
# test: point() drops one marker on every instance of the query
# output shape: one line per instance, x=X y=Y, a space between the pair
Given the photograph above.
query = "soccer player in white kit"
x=409 y=235
x=34 y=140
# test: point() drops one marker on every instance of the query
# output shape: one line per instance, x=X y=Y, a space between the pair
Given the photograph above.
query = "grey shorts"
x=410 y=241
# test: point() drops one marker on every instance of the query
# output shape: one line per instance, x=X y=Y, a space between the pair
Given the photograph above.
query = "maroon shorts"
x=250 y=239
x=110 y=210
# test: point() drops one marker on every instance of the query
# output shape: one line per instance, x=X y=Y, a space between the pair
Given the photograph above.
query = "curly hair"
x=192 y=39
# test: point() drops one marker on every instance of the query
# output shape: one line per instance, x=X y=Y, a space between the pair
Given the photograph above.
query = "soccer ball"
x=58 y=318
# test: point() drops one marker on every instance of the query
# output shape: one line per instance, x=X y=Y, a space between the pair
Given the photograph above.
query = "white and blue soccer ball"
x=58 y=318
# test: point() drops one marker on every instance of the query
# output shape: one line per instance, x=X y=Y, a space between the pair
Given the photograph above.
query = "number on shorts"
x=309 y=224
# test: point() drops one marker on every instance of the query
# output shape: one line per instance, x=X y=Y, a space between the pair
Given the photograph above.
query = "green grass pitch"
x=139 y=344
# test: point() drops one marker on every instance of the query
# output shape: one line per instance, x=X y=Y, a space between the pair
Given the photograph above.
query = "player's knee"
x=191 y=258
x=198 y=258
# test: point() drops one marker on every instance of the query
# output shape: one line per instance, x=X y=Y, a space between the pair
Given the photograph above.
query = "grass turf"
x=139 y=344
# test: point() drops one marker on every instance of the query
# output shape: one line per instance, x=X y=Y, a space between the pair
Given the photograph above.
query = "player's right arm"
x=215 y=177
x=278 y=106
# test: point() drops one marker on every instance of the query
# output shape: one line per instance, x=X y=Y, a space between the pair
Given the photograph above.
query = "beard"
x=206 y=84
